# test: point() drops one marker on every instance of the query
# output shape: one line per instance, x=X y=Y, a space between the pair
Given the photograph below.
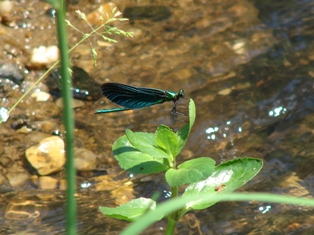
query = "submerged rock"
x=47 y=182
x=153 y=13
x=11 y=72
x=85 y=160
x=17 y=176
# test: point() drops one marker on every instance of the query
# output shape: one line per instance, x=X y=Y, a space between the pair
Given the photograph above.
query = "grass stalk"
x=68 y=118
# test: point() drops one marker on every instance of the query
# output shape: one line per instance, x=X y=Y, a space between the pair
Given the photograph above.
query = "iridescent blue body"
x=131 y=97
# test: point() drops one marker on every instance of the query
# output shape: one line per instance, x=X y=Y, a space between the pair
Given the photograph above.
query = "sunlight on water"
x=224 y=131
x=277 y=111
x=264 y=209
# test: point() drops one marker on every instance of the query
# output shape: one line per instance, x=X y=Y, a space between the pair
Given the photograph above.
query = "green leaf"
x=190 y=171
x=167 y=139
x=130 y=210
x=132 y=160
x=175 y=204
x=226 y=178
x=146 y=143
x=184 y=132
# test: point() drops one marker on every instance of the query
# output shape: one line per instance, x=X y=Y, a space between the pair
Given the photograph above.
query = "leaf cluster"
x=147 y=153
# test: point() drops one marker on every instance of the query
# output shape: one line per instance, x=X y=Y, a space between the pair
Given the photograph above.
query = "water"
x=249 y=68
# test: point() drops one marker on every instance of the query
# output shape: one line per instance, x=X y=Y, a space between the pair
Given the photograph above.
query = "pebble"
x=24 y=130
x=36 y=136
x=47 y=182
x=18 y=121
x=85 y=160
x=48 y=156
x=226 y=91
x=63 y=185
x=6 y=162
x=4 y=114
x=6 y=7
x=45 y=126
x=11 y=72
x=34 y=180
x=46 y=196
x=6 y=11
x=17 y=176
x=136 y=32
x=44 y=56
x=40 y=96
x=105 y=11
x=75 y=103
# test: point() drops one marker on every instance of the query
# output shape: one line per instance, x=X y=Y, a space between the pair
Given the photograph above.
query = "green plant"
x=147 y=153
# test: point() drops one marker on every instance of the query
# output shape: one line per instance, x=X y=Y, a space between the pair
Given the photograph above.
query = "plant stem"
x=173 y=217
x=171 y=226
x=66 y=85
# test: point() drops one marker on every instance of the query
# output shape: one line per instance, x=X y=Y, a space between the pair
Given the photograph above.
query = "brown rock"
x=48 y=156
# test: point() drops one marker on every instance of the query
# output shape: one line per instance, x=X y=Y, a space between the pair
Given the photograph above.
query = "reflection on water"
x=249 y=68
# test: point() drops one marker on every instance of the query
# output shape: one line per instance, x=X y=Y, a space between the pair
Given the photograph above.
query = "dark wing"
x=133 y=97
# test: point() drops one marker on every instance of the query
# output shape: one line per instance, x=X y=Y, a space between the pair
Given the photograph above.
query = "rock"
x=4 y=114
x=48 y=156
x=36 y=136
x=43 y=56
x=105 y=11
x=75 y=103
x=6 y=7
x=51 y=12
x=6 y=12
x=5 y=161
x=19 y=121
x=46 y=196
x=24 y=130
x=17 y=177
x=35 y=180
x=40 y=95
x=85 y=160
x=11 y=72
x=46 y=182
x=63 y=185
x=153 y=13
x=45 y=126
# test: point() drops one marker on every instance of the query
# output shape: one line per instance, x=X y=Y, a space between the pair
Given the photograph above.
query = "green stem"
x=172 y=217
x=171 y=226
x=66 y=85
x=174 y=192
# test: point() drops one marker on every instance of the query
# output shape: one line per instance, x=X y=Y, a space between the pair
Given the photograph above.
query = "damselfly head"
x=181 y=93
